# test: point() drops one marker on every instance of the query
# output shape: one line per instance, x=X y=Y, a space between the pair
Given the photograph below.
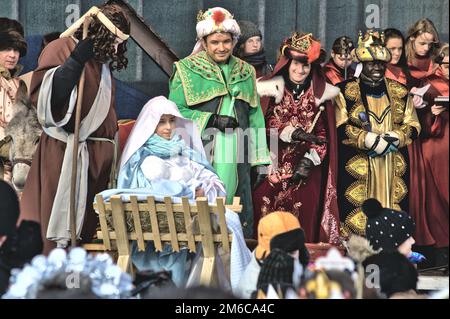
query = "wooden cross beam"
x=148 y=40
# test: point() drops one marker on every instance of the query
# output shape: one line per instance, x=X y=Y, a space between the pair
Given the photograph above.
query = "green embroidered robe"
x=200 y=87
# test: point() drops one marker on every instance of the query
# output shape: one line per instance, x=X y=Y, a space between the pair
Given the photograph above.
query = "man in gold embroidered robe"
x=376 y=120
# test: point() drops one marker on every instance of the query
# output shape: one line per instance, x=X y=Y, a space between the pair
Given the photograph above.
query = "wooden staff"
x=73 y=184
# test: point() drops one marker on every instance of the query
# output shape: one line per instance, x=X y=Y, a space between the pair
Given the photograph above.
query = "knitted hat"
x=13 y=39
x=9 y=209
x=291 y=241
x=277 y=269
x=386 y=228
x=248 y=30
x=271 y=225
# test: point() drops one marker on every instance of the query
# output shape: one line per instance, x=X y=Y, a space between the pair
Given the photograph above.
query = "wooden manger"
x=181 y=225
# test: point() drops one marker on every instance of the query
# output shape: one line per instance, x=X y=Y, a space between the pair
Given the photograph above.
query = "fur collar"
x=275 y=88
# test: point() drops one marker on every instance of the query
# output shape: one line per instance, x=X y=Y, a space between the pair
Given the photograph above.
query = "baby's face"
x=166 y=126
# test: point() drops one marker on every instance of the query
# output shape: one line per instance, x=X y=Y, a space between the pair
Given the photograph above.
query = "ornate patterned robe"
x=360 y=176
x=307 y=202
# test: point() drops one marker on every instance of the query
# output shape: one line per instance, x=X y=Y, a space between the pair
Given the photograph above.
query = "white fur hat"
x=215 y=20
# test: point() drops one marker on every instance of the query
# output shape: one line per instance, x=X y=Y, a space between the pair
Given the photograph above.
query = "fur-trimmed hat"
x=13 y=39
x=271 y=225
x=291 y=241
x=215 y=20
x=386 y=228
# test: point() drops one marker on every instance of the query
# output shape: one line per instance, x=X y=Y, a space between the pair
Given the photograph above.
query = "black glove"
x=84 y=51
x=256 y=177
x=302 y=171
x=222 y=122
x=68 y=74
x=300 y=135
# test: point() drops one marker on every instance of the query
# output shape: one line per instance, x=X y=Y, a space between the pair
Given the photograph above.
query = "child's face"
x=166 y=126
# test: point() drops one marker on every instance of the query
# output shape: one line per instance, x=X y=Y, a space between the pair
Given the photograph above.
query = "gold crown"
x=208 y=14
x=371 y=47
x=301 y=43
x=200 y=16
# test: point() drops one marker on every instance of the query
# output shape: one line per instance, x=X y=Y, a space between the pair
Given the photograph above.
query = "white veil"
x=147 y=121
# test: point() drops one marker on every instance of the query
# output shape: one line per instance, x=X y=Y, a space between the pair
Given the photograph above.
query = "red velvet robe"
x=420 y=67
x=429 y=203
x=315 y=203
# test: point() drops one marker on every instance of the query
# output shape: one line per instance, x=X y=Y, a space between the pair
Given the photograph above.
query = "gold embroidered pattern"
x=400 y=189
x=353 y=135
x=398 y=111
x=352 y=91
x=202 y=66
x=356 y=221
x=399 y=164
x=354 y=112
x=398 y=90
x=358 y=167
x=356 y=193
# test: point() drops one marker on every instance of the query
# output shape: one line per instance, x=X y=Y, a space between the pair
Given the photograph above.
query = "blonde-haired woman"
x=421 y=45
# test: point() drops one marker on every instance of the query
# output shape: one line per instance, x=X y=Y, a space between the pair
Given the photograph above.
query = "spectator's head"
x=292 y=242
x=344 y=279
x=341 y=52
x=422 y=40
x=388 y=229
x=7 y=24
x=395 y=42
x=12 y=47
x=273 y=224
x=9 y=211
x=442 y=60
x=250 y=41
x=393 y=271
x=277 y=270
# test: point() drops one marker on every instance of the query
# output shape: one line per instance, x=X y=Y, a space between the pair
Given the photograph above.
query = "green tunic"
x=201 y=87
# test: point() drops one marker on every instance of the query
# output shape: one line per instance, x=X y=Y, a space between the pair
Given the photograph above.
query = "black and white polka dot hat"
x=386 y=228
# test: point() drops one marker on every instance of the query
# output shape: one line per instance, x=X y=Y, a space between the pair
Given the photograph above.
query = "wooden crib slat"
x=223 y=224
x=100 y=204
x=154 y=223
x=188 y=223
x=171 y=222
x=137 y=223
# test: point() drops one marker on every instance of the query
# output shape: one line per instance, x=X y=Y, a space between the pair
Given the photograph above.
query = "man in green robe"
x=218 y=92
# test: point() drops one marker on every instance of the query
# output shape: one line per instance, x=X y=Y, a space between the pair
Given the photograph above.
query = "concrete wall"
x=174 y=21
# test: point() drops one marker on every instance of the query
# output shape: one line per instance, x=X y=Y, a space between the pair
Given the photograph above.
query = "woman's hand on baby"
x=199 y=192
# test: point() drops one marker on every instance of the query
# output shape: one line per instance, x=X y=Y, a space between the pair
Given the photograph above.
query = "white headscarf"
x=147 y=122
